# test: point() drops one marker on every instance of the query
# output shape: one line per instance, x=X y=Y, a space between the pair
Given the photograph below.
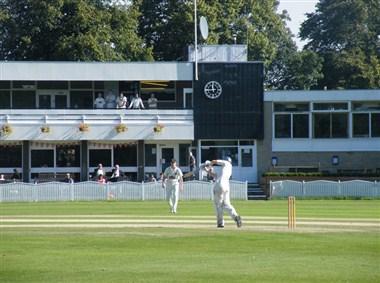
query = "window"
x=102 y=156
x=366 y=105
x=22 y=99
x=24 y=84
x=150 y=155
x=125 y=155
x=81 y=99
x=184 y=154
x=330 y=106
x=52 y=85
x=5 y=84
x=68 y=156
x=210 y=153
x=246 y=157
x=81 y=84
x=5 y=99
x=360 y=125
x=330 y=125
x=282 y=126
x=163 y=90
x=10 y=156
x=42 y=158
x=375 y=125
x=291 y=122
x=300 y=125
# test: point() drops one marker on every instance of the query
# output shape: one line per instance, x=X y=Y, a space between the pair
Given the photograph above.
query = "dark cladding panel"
x=228 y=101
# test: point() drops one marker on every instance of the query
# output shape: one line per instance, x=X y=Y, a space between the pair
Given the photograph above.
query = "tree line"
x=342 y=50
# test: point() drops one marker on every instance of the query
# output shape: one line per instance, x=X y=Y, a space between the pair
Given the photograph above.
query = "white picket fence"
x=322 y=188
x=92 y=191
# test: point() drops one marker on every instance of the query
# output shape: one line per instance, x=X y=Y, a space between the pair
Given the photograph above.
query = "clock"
x=213 y=89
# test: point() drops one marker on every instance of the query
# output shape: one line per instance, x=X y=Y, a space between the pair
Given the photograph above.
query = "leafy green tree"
x=84 y=30
x=345 y=34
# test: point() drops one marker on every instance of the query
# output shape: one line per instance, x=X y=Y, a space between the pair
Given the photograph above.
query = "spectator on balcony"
x=68 y=179
x=99 y=102
x=110 y=100
x=137 y=102
x=122 y=101
x=16 y=175
x=2 y=179
x=98 y=171
x=152 y=102
x=151 y=178
x=116 y=173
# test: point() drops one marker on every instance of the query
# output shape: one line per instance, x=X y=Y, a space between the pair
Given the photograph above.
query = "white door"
x=247 y=169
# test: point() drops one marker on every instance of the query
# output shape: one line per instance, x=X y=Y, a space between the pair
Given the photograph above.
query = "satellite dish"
x=203 y=25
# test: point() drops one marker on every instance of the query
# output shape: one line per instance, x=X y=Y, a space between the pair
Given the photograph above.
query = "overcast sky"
x=297 y=10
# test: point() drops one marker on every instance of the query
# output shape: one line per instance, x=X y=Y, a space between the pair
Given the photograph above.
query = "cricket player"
x=172 y=180
x=222 y=191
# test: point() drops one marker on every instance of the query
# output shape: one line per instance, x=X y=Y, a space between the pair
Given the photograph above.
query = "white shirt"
x=122 y=102
x=99 y=102
x=173 y=175
x=224 y=177
x=152 y=102
x=136 y=103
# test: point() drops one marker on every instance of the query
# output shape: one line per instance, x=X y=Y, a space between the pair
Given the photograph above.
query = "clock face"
x=213 y=89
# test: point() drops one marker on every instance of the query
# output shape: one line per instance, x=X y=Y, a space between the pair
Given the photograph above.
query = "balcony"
x=74 y=125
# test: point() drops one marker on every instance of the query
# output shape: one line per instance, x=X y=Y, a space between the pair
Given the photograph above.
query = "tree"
x=69 y=30
x=345 y=34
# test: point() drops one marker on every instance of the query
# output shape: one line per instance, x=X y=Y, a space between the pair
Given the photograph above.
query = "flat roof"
x=322 y=95
x=95 y=71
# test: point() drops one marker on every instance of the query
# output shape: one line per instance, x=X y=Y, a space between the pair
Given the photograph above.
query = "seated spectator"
x=116 y=174
x=152 y=178
x=99 y=102
x=110 y=100
x=101 y=179
x=15 y=175
x=98 y=171
x=152 y=102
x=137 y=102
x=68 y=179
x=122 y=101
x=2 y=179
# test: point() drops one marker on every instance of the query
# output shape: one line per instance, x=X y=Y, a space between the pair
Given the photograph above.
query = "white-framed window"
x=291 y=120
x=366 y=119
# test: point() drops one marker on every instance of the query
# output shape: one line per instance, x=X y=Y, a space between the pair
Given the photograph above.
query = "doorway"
x=167 y=154
x=52 y=99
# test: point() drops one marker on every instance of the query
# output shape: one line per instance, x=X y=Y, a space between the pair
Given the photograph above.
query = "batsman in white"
x=172 y=180
x=222 y=190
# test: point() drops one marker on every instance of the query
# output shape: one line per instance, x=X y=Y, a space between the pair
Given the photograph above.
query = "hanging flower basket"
x=83 y=127
x=121 y=128
x=6 y=129
x=158 y=128
x=45 y=129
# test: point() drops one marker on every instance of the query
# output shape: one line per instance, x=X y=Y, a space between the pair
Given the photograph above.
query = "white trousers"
x=222 y=203
x=172 y=196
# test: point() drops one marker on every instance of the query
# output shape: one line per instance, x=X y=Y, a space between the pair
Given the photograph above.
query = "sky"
x=297 y=10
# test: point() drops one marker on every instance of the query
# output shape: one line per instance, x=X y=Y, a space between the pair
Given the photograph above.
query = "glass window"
x=300 y=125
x=81 y=84
x=375 y=124
x=81 y=99
x=282 y=126
x=99 y=85
x=331 y=125
x=330 y=106
x=221 y=143
x=365 y=106
x=291 y=107
x=52 y=85
x=247 y=142
x=42 y=158
x=11 y=156
x=150 y=154
x=210 y=153
x=5 y=99
x=68 y=156
x=321 y=125
x=360 y=125
x=22 y=99
x=125 y=155
x=24 y=84
x=184 y=154
x=339 y=125
x=163 y=90
x=246 y=157
x=102 y=156
x=5 y=84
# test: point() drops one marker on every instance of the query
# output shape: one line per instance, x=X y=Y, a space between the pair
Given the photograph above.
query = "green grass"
x=189 y=255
